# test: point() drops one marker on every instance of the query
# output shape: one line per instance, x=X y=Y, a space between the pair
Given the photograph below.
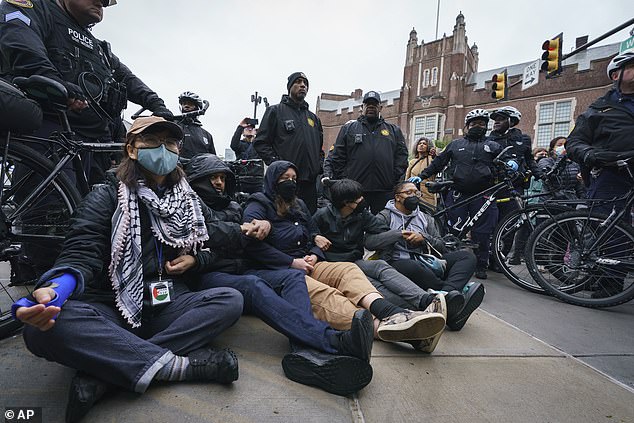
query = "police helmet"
x=508 y=112
x=476 y=114
x=188 y=95
x=619 y=61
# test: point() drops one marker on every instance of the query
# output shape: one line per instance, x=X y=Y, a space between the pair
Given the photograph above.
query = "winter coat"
x=196 y=140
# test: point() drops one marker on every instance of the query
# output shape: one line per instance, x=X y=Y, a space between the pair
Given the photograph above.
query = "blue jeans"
x=94 y=337
x=280 y=299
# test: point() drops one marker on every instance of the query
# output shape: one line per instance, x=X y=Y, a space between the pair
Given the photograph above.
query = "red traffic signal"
x=552 y=55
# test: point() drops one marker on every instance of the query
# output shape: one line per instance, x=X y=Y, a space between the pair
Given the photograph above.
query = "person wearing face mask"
x=424 y=152
x=370 y=151
x=349 y=227
x=118 y=304
x=339 y=292
x=242 y=140
x=565 y=182
x=470 y=166
x=415 y=233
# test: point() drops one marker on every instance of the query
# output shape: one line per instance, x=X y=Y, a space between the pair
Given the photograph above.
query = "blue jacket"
x=292 y=235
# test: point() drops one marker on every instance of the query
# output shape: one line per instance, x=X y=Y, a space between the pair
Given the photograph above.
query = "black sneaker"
x=455 y=302
x=212 y=365
x=481 y=273
x=474 y=295
x=337 y=374
x=85 y=391
x=357 y=341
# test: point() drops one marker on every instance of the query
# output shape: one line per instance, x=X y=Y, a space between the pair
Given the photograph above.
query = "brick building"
x=441 y=83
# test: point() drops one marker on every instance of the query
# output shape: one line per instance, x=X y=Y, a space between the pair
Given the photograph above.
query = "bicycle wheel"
x=38 y=224
x=560 y=260
x=509 y=238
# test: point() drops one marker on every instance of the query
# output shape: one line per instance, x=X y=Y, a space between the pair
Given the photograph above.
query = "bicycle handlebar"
x=191 y=114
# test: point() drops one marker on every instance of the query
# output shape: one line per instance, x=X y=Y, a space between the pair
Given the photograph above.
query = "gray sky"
x=226 y=50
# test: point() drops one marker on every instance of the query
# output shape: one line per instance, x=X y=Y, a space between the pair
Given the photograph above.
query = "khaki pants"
x=335 y=291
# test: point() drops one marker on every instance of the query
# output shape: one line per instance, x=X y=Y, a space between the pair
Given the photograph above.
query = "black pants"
x=307 y=191
x=377 y=199
x=460 y=267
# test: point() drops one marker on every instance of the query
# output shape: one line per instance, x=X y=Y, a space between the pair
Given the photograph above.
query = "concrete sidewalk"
x=488 y=372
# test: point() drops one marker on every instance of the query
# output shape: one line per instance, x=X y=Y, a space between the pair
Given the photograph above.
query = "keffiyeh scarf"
x=177 y=220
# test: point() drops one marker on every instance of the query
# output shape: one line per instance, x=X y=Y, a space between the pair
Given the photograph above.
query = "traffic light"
x=500 y=87
x=552 y=55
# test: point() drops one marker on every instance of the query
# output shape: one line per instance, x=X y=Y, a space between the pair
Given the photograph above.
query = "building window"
x=434 y=77
x=425 y=78
x=553 y=120
x=429 y=126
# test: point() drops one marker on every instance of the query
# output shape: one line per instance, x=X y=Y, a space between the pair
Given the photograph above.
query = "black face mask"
x=209 y=195
x=476 y=132
x=361 y=206
x=410 y=203
x=287 y=189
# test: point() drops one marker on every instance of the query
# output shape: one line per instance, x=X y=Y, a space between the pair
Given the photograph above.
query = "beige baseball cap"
x=140 y=124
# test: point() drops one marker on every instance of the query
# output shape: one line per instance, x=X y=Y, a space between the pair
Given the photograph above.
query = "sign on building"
x=531 y=75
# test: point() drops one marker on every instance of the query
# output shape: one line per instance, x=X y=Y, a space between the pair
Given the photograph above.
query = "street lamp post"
x=256 y=99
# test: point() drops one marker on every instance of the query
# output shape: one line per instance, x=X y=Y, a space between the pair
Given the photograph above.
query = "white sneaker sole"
x=420 y=327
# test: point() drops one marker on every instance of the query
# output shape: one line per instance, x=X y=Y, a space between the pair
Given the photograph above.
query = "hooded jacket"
x=292 y=236
x=289 y=131
x=419 y=221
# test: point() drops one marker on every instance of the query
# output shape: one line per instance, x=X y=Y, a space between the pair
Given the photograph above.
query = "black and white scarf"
x=177 y=220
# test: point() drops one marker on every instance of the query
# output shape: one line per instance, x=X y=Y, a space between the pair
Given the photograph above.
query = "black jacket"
x=350 y=235
x=607 y=126
x=229 y=259
x=292 y=236
x=289 y=131
x=86 y=251
x=470 y=164
x=45 y=40
x=522 y=149
x=375 y=155
x=244 y=150
x=196 y=140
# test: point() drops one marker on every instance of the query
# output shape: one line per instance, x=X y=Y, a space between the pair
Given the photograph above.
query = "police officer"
x=370 y=151
x=53 y=39
x=197 y=140
x=289 y=131
x=603 y=133
x=471 y=168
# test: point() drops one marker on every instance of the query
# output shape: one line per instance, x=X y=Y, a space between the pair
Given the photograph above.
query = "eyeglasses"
x=153 y=141
x=411 y=192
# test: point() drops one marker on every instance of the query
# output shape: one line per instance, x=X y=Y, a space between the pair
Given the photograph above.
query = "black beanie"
x=292 y=77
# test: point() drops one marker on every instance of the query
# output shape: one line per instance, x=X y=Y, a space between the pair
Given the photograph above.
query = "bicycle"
x=525 y=216
x=586 y=258
x=38 y=193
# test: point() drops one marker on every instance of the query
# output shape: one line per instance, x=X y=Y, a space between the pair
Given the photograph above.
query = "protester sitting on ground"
x=346 y=224
x=291 y=244
x=424 y=152
x=565 y=182
x=420 y=238
x=117 y=306
x=340 y=363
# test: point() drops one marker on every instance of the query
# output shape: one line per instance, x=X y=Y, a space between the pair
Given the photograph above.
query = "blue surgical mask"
x=560 y=150
x=158 y=160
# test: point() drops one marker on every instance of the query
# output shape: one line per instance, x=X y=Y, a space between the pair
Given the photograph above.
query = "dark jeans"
x=460 y=267
x=94 y=337
x=483 y=228
x=610 y=183
x=280 y=299
x=307 y=191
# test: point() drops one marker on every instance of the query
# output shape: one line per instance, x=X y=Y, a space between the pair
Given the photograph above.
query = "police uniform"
x=39 y=37
x=196 y=140
x=373 y=154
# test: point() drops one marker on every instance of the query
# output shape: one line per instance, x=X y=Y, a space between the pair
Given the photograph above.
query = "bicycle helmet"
x=508 y=112
x=188 y=95
x=107 y=3
x=476 y=114
x=619 y=61
x=436 y=265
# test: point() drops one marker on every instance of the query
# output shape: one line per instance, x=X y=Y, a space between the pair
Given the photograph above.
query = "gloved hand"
x=415 y=180
x=590 y=159
x=325 y=181
x=162 y=111
x=512 y=164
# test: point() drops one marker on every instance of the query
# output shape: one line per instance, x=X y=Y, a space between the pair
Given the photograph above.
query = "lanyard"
x=159 y=255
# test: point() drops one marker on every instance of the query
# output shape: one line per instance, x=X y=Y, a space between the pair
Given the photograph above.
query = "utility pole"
x=255 y=99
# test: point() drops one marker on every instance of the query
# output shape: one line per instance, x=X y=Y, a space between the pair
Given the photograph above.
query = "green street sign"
x=627 y=45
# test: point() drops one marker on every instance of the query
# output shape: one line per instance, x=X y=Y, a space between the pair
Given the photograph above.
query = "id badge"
x=161 y=292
